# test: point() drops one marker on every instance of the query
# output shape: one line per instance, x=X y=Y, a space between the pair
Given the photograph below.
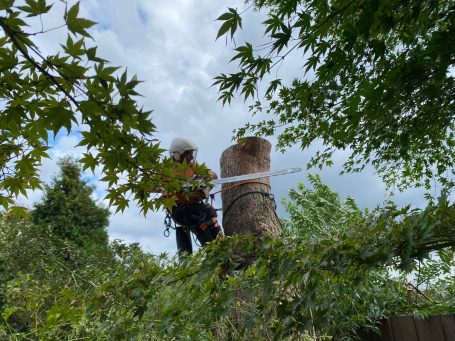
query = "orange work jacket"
x=182 y=197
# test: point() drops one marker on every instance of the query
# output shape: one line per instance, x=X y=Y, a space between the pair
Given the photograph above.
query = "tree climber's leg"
x=183 y=240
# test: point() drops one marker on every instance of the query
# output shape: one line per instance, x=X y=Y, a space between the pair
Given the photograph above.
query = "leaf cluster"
x=374 y=78
x=74 y=89
x=60 y=244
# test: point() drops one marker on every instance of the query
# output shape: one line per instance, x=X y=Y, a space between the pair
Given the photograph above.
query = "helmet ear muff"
x=176 y=156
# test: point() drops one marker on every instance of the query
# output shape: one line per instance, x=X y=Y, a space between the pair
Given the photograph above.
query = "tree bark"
x=248 y=206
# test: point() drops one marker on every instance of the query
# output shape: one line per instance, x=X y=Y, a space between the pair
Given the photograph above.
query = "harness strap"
x=205 y=224
x=169 y=219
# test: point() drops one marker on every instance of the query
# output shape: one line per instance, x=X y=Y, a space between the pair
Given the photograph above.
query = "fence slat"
x=407 y=328
x=430 y=329
x=386 y=331
x=448 y=322
x=403 y=328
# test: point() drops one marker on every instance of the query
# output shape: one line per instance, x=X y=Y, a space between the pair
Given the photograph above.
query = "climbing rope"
x=195 y=240
x=265 y=194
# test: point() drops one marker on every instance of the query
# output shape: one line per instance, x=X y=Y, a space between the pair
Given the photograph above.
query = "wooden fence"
x=407 y=328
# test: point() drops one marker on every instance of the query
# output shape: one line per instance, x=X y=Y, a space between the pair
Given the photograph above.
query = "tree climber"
x=190 y=212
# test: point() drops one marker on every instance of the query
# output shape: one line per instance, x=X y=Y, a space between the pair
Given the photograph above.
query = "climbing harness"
x=170 y=223
x=196 y=229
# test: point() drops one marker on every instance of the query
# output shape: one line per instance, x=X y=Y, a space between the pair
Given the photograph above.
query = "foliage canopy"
x=327 y=274
x=372 y=77
x=62 y=242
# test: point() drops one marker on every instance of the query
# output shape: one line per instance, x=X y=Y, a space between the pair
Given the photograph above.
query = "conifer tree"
x=68 y=214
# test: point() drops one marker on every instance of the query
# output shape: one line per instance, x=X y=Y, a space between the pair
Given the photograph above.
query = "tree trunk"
x=248 y=206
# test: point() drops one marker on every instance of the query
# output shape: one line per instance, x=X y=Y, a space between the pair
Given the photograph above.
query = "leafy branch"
x=375 y=60
x=119 y=131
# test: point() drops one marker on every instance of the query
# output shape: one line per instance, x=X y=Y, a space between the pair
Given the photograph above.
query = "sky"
x=171 y=46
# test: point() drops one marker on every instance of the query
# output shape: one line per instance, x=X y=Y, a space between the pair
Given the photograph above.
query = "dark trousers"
x=189 y=217
x=183 y=236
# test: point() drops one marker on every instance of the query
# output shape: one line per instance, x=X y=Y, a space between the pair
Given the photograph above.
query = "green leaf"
x=232 y=20
x=281 y=39
x=245 y=54
x=224 y=28
x=249 y=89
x=89 y=109
x=77 y=25
x=168 y=203
x=8 y=311
x=74 y=49
x=105 y=73
x=5 y=201
x=272 y=24
x=19 y=212
x=91 y=55
x=273 y=86
x=58 y=117
x=72 y=13
x=225 y=16
x=226 y=97
x=89 y=161
x=35 y=7
x=6 y=4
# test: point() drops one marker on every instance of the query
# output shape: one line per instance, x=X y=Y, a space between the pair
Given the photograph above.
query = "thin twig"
x=45 y=31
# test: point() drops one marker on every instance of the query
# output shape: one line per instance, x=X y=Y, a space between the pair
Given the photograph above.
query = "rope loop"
x=265 y=194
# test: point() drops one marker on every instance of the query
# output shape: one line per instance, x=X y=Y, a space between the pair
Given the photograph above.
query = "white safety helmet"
x=180 y=145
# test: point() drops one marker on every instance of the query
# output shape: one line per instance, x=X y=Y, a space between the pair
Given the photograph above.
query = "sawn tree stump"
x=248 y=206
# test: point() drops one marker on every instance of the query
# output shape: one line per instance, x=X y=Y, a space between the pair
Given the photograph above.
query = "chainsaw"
x=252 y=176
x=239 y=178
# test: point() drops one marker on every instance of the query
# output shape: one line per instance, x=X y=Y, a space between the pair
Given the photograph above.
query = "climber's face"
x=189 y=156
